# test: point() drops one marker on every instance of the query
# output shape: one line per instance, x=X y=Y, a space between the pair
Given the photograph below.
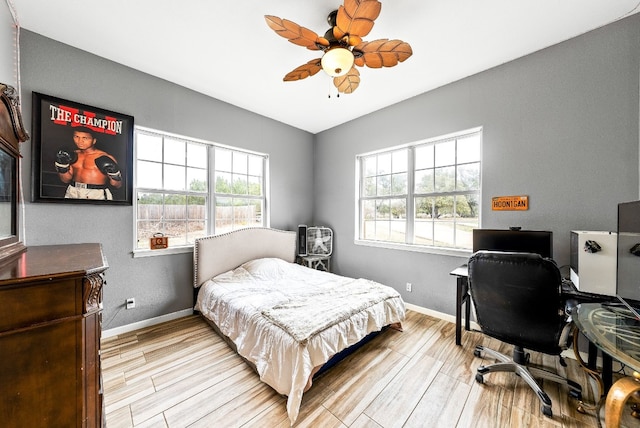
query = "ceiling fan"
x=342 y=44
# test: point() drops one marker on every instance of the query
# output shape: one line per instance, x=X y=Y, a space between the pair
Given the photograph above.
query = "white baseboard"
x=145 y=323
x=440 y=315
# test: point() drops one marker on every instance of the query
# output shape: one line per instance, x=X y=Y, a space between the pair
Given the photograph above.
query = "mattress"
x=288 y=320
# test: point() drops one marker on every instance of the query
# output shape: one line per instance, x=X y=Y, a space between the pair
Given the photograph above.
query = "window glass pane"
x=383 y=210
x=370 y=167
x=443 y=232
x=150 y=207
x=149 y=175
x=240 y=185
x=445 y=179
x=150 y=212
x=466 y=210
x=174 y=177
x=240 y=163
x=255 y=165
x=445 y=153
x=423 y=232
x=223 y=160
x=197 y=155
x=197 y=179
x=382 y=232
x=370 y=186
x=369 y=210
x=255 y=186
x=468 y=177
x=223 y=182
x=424 y=157
x=174 y=151
x=149 y=147
x=399 y=184
x=469 y=149
x=424 y=181
x=444 y=224
x=256 y=212
x=384 y=185
x=384 y=164
x=369 y=230
x=399 y=209
x=177 y=232
x=443 y=207
x=424 y=208
x=398 y=231
x=224 y=215
x=399 y=161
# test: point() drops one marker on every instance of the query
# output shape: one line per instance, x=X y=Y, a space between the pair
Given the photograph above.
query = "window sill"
x=415 y=248
x=166 y=252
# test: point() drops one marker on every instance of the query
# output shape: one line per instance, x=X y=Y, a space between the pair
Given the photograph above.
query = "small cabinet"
x=50 y=328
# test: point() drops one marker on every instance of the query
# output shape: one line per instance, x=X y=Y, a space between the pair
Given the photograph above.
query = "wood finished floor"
x=181 y=374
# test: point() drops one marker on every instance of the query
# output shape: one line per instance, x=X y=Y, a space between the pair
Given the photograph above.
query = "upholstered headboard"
x=213 y=255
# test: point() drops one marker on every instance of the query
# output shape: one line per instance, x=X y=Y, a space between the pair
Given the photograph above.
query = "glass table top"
x=612 y=329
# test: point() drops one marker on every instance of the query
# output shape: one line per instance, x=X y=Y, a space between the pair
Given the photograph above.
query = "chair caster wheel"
x=546 y=410
x=476 y=353
x=479 y=378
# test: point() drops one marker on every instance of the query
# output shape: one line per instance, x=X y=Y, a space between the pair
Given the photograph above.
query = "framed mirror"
x=12 y=132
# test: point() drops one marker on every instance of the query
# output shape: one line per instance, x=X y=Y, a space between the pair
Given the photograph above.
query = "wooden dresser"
x=50 y=327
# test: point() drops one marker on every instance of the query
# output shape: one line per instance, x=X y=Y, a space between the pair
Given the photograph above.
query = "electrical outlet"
x=409 y=286
x=131 y=303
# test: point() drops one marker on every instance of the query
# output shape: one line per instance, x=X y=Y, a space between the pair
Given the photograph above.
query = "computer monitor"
x=515 y=240
x=628 y=269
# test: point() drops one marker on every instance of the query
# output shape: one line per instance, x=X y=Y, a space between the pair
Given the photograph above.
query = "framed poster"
x=80 y=153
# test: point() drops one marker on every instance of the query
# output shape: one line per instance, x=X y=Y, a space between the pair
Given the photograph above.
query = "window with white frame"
x=174 y=196
x=424 y=194
x=239 y=189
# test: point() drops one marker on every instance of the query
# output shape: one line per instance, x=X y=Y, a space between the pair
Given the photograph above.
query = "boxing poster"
x=80 y=153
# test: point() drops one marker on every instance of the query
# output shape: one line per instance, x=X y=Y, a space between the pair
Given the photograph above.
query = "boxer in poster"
x=87 y=170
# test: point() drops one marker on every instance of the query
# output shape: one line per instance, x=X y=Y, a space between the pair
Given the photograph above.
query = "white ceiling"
x=224 y=48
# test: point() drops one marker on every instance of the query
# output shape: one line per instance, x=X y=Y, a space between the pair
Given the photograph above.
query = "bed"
x=286 y=320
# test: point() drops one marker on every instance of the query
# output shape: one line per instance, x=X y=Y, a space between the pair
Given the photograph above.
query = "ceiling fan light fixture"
x=337 y=61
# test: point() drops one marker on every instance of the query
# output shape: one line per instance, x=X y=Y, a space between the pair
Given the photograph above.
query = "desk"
x=462 y=298
x=617 y=334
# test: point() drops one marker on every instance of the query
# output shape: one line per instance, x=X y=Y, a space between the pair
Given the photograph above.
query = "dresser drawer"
x=25 y=305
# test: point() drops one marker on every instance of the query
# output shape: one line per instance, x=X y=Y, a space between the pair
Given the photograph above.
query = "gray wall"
x=7 y=47
x=160 y=284
x=560 y=125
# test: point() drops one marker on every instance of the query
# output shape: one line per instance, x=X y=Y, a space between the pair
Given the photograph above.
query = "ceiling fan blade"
x=349 y=82
x=382 y=53
x=304 y=71
x=356 y=18
x=296 y=34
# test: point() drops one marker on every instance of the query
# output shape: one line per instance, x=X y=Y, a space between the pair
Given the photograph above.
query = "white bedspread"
x=288 y=319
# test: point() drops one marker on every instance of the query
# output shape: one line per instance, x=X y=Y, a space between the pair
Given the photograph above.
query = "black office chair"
x=517 y=300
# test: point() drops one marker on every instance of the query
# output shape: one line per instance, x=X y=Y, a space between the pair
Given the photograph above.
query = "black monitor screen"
x=628 y=274
x=521 y=241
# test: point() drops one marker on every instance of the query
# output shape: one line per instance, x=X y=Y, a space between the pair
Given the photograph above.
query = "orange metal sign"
x=510 y=203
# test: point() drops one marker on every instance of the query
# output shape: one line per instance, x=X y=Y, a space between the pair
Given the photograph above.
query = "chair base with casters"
x=520 y=365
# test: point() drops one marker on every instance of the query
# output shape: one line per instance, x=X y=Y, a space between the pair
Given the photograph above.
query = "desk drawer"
x=27 y=304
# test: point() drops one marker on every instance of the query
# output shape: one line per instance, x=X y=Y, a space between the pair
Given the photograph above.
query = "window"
x=424 y=194
x=239 y=189
x=174 y=195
